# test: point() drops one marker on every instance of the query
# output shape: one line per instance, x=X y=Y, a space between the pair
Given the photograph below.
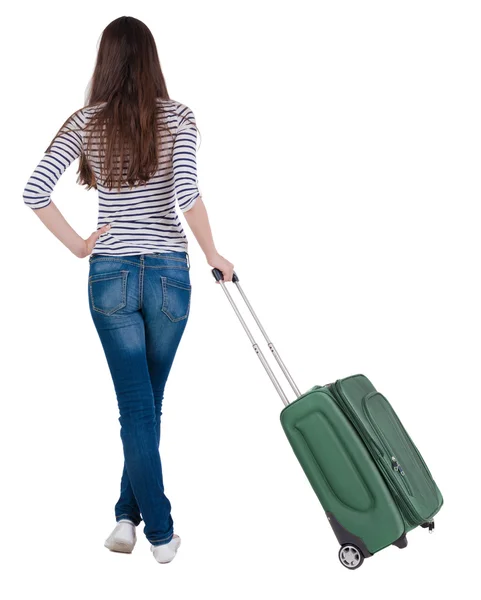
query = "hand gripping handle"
x=218 y=275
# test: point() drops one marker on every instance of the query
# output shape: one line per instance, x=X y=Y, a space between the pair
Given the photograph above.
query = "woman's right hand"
x=219 y=262
x=89 y=243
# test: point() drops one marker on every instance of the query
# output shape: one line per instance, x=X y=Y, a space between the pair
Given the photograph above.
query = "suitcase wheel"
x=350 y=556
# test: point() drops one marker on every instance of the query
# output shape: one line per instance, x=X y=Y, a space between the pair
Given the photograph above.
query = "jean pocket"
x=108 y=291
x=175 y=298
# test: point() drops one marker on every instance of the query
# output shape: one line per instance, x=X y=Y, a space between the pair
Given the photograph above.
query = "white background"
x=339 y=161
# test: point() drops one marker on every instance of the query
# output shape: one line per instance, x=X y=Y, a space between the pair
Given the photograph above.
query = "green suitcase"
x=366 y=471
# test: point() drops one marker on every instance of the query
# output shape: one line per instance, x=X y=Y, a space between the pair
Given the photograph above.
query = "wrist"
x=80 y=250
x=211 y=255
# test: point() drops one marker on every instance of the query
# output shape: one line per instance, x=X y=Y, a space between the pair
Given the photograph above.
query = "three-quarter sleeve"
x=184 y=161
x=64 y=150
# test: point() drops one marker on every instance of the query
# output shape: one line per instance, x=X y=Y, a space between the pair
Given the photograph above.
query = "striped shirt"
x=143 y=219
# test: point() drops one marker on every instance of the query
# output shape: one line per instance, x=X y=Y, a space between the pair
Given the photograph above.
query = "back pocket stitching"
x=179 y=284
x=106 y=277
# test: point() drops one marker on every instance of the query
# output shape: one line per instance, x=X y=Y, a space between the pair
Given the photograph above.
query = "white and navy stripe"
x=143 y=219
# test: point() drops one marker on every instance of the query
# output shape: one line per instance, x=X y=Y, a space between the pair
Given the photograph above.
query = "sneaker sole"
x=118 y=546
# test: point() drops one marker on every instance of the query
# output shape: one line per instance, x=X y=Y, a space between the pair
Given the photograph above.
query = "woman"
x=138 y=287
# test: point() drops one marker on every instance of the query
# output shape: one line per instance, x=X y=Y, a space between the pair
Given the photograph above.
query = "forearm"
x=198 y=221
x=53 y=219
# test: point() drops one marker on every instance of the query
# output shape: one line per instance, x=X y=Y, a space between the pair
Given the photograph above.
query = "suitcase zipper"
x=406 y=506
x=427 y=472
x=394 y=462
x=427 y=475
x=397 y=467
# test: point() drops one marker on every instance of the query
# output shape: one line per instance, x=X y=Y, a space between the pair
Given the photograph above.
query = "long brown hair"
x=125 y=127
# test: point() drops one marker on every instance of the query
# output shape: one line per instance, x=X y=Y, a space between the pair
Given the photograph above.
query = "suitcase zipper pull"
x=428 y=525
x=396 y=466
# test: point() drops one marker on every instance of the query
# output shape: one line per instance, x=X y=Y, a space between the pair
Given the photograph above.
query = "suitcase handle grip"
x=218 y=275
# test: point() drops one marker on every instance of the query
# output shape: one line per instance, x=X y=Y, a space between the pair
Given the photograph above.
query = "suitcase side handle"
x=235 y=279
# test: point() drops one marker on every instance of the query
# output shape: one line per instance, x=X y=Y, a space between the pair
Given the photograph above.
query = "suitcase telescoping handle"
x=235 y=279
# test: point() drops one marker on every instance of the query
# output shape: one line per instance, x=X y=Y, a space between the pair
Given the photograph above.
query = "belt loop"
x=188 y=260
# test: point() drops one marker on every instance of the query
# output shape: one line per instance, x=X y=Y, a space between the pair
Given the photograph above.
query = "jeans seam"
x=169 y=258
x=166 y=267
x=116 y=259
x=141 y=282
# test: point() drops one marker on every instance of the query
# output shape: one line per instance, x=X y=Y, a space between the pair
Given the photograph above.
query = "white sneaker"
x=123 y=537
x=166 y=552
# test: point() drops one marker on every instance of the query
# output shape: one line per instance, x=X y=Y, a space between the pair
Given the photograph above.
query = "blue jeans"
x=140 y=305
